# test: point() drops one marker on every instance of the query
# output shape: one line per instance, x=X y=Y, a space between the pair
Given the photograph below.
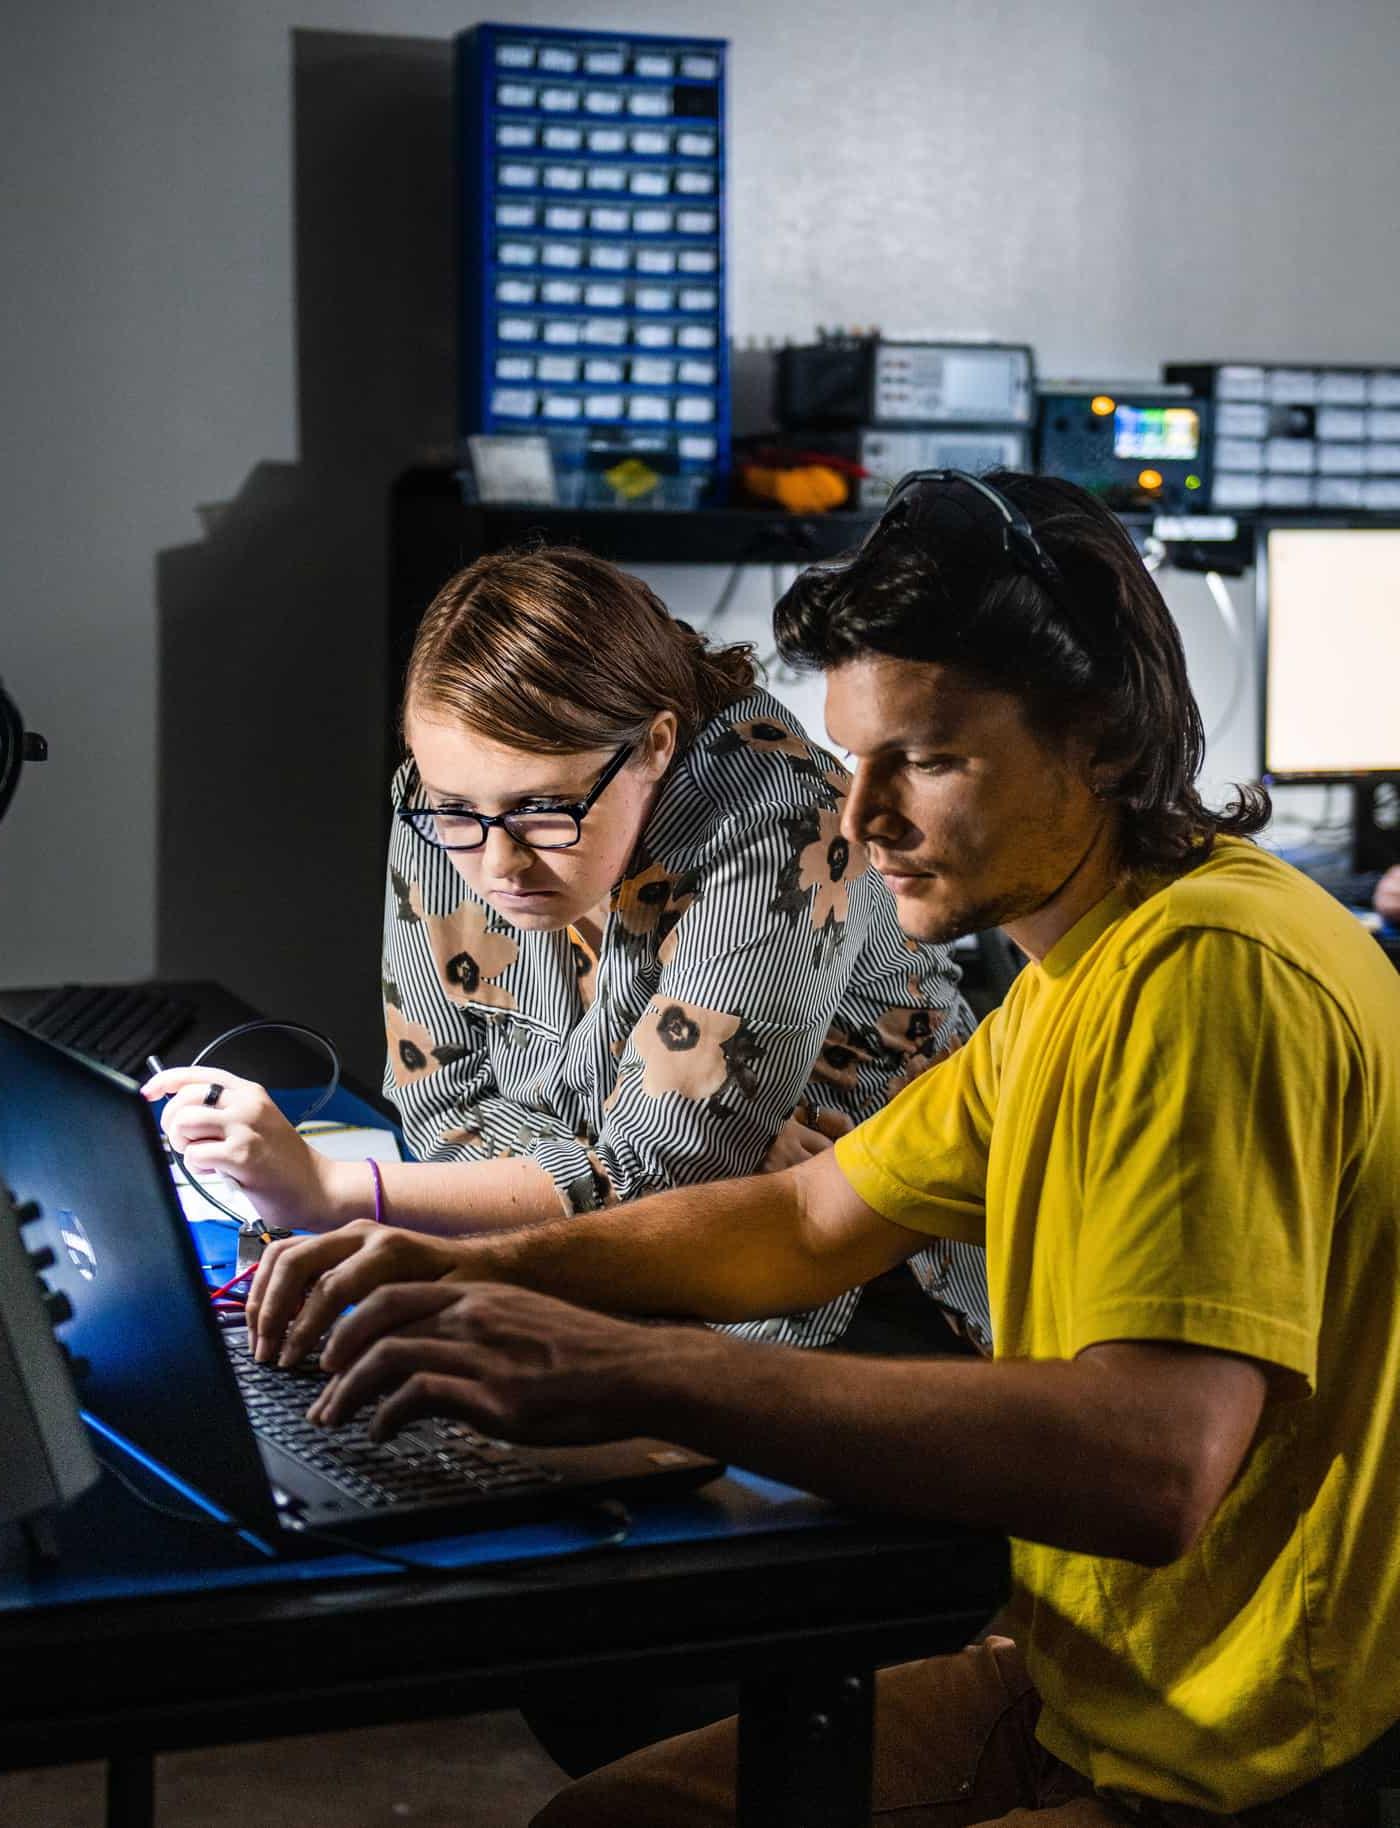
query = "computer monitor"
x=1329 y=670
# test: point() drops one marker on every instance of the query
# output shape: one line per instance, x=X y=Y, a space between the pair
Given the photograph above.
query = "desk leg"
x=131 y=1791
x=804 y=1750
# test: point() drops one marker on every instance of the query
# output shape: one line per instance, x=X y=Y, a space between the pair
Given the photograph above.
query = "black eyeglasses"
x=544 y=828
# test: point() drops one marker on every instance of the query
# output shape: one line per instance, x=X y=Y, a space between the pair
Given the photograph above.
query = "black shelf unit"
x=433 y=533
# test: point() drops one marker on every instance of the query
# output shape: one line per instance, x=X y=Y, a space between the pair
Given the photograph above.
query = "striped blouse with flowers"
x=750 y=967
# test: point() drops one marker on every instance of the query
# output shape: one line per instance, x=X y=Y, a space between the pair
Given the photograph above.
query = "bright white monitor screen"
x=1332 y=681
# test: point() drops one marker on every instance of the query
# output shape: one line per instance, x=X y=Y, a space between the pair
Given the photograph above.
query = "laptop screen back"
x=83 y=1143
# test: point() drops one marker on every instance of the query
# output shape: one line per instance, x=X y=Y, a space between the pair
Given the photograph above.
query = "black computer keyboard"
x=115 y=1024
x=430 y=1462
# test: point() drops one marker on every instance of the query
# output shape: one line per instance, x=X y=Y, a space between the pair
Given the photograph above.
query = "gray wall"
x=227 y=281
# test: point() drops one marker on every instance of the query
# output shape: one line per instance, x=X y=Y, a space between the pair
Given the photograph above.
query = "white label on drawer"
x=562 y=332
x=607 y=177
x=559 y=101
x=1383 y=388
x=1380 y=495
x=610 y=331
x=510 y=56
x=1338 y=492
x=604 y=406
x=567 y=216
x=516 y=177
x=652 y=221
x=603 y=101
x=605 y=295
x=602 y=368
x=604 y=63
x=1288 y=491
x=654 y=336
x=516 y=253
x=652 y=371
x=697 y=374
x=1236 y=492
x=1243 y=421
x=563 y=139
x=697 y=336
x=515 y=368
x=562 y=254
x=656 y=260
x=608 y=257
x=696 y=221
x=653 y=298
x=515 y=329
x=516 y=215
x=648 y=183
x=561 y=292
x=655 y=64
x=515 y=134
x=698 y=450
x=1293 y=386
x=703 y=68
x=607 y=139
x=699 y=260
x=650 y=142
x=559 y=58
x=515 y=95
x=1341 y=459
x=695 y=183
x=1236 y=381
x=515 y=291
x=1338 y=388
x=558 y=368
x=1298 y=455
x=655 y=408
x=698 y=298
x=1383 y=459
x=1340 y=422
x=563 y=406
x=1238 y=454
x=513 y=402
x=605 y=220
x=1384 y=424
x=563 y=177
x=652 y=104
x=696 y=145
x=695 y=410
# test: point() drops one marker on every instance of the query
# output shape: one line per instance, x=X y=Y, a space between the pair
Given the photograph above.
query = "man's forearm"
x=729 y=1250
x=970 y=1441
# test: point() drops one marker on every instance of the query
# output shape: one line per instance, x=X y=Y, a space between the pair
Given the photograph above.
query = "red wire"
x=233 y=1282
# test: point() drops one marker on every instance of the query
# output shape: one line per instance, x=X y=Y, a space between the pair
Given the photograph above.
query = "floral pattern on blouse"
x=750 y=967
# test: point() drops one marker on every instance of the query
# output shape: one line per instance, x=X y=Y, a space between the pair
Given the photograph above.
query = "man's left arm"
x=1124 y=1451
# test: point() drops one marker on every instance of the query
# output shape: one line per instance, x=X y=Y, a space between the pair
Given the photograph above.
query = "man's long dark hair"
x=1105 y=657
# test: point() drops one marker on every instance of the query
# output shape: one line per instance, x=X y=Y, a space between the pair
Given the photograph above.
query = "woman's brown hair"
x=555 y=651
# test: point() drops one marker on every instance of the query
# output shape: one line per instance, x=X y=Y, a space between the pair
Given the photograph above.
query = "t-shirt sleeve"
x=1225 y=1094
x=922 y=1161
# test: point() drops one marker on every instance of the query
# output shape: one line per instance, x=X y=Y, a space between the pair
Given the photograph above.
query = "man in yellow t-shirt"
x=1179 y=1139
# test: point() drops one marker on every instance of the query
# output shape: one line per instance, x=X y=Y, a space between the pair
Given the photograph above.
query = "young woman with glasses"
x=626 y=945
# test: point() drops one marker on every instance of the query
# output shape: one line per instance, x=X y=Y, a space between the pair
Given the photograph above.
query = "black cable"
x=317 y=1105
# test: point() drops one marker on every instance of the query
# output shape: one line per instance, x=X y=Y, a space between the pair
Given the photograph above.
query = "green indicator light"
x=1193 y=482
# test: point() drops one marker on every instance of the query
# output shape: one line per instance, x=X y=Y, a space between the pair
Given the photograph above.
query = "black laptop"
x=80 y=1140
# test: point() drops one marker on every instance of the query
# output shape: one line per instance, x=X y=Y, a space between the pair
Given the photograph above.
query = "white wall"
x=1115 y=181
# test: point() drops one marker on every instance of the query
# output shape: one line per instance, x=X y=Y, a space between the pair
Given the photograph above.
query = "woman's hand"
x=303 y=1283
x=798 y=1140
x=244 y=1137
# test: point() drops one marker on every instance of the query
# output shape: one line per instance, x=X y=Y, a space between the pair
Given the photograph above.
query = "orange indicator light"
x=1149 y=479
x=1102 y=405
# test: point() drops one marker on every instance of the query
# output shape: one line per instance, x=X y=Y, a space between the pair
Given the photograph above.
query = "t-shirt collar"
x=1070 y=947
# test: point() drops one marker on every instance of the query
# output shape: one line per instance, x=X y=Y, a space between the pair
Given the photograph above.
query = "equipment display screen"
x=1167 y=432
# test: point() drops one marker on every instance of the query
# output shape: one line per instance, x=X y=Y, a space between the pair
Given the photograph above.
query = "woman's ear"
x=661 y=743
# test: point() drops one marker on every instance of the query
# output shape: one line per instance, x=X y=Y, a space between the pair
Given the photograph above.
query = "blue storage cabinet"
x=592 y=255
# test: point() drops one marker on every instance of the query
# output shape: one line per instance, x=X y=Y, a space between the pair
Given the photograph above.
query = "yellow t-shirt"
x=1184 y=1124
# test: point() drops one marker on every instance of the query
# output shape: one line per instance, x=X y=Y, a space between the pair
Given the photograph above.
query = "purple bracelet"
x=378 y=1191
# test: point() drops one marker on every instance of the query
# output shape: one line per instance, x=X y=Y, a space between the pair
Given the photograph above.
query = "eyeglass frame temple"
x=577 y=809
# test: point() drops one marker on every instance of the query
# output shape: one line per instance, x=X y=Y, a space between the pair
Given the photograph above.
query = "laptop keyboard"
x=430 y=1462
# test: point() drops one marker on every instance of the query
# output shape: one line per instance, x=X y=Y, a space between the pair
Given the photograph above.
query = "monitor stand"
x=1375 y=827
